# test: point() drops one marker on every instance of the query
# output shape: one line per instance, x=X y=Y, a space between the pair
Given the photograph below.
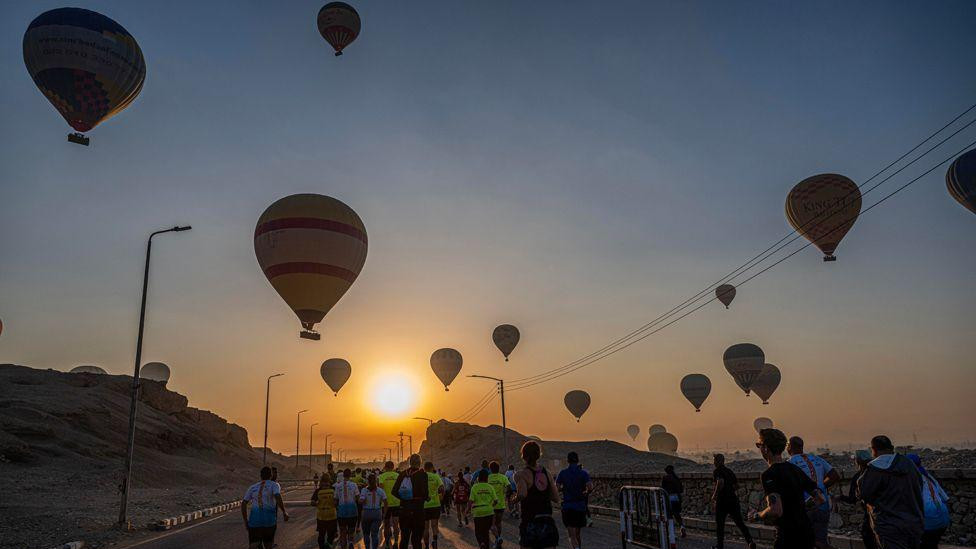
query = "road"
x=227 y=532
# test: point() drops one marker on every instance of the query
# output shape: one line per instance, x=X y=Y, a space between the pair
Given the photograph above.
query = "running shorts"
x=573 y=518
x=392 y=512
x=432 y=513
x=261 y=534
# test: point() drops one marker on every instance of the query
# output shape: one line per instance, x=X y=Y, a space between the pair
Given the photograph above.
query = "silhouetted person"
x=260 y=511
x=861 y=458
x=934 y=501
x=536 y=492
x=786 y=489
x=825 y=476
x=574 y=482
x=673 y=486
x=892 y=488
x=726 y=502
x=411 y=488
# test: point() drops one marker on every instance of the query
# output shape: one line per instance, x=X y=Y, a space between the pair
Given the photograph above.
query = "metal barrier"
x=644 y=518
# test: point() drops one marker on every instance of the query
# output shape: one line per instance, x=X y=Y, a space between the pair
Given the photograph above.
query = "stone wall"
x=960 y=484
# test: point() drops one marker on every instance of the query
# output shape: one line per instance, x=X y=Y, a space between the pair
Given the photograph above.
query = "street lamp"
x=501 y=389
x=397 y=446
x=429 y=423
x=298 y=433
x=310 y=427
x=127 y=472
x=267 y=398
x=325 y=449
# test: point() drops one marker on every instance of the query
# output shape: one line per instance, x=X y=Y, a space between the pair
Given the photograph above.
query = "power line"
x=479 y=402
x=480 y=408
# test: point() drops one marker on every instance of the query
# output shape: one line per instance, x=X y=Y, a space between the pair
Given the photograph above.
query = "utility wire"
x=479 y=402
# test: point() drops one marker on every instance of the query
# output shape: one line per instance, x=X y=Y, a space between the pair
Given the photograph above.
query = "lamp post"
x=325 y=449
x=267 y=398
x=501 y=389
x=310 y=427
x=298 y=434
x=130 y=447
x=429 y=423
x=397 y=446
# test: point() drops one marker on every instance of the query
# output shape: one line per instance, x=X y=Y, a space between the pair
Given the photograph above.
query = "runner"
x=462 y=492
x=432 y=508
x=360 y=481
x=264 y=499
x=467 y=475
x=481 y=505
x=501 y=485
x=372 y=498
x=825 y=476
x=726 y=500
x=574 y=482
x=347 y=498
x=411 y=488
x=326 y=520
x=512 y=502
x=448 y=493
x=785 y=484
x=536 y=493
x=673 y=486
x=391 y=519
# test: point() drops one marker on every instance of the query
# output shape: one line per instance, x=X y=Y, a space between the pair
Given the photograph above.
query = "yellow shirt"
x=482 y=500
x=387 y=479
x=325 y=504
x=434 y=484
x=501 y=485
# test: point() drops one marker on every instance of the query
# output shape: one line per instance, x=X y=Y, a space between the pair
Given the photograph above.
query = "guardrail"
x=644 y=518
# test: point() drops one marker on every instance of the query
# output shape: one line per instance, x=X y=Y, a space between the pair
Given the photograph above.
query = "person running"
x=330 y=472
x=372 y=499
x=574 y=482
x=432 y=508
x=467 y=475
x=673 y=486
x=326 y=520
x=934 y=503
x=347 y=509
x=891 y=486
x=411 y=488
x=360 y=481
x=786 y=487
x=448 y=491
x=825 y=476
x=391 y=519
x=500 y=484
x=260 y=511
x=861 y=459
x=536 y=492
x=512 y=502
x=462 y=492
x=481 y=505
x=726 y=502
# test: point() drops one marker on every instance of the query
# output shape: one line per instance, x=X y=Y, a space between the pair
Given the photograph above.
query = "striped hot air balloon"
x=87 y=65
x=339 y=24
x=311 y=247
x=823 y=208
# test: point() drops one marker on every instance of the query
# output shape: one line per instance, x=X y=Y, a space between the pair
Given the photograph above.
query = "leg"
x=736 y=513
x=434 y=531
x=482 y=531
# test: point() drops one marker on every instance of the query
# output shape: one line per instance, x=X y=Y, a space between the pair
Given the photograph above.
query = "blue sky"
x=572 y=168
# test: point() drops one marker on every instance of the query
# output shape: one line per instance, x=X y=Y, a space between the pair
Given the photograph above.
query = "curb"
x=71 y=545
x=170 y=522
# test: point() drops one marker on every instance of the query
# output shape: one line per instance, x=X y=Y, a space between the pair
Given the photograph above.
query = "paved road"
x=227 y=532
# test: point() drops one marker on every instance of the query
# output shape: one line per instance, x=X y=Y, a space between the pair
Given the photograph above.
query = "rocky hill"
x=455 y=445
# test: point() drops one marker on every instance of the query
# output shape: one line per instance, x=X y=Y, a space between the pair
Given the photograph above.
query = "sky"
x=575 y=169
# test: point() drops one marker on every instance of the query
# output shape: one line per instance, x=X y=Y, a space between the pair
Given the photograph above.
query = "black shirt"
x=729 y=484
x=790 y=483
x=672 y=484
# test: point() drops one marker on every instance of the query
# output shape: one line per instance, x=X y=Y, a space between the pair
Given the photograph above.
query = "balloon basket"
x=78 y=138
x=309 y=334
x=830 y=258
x=338 y=53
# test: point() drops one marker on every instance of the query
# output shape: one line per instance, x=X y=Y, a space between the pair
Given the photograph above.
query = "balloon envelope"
x=767 y=382
x=696 y=388
x=577 y=403
x=762 y=423
x=725 y=293
x=961 y=180
x=823 y=208
x=339 y=24
x=633 y=431
x=311 y=247
x=87 y=65
x=335 y=372
x=656 y=428
x=446 y=364
x=87 y=369
x=664 y=443
x=155 y=371
x=744 y=361
x=506 y=337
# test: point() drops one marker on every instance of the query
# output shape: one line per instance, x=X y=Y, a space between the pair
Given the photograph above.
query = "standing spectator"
x=726 y=502
x=673 y=486
x=825 y=476
x=891 y=486
x=786 y=487
x=861 y=458
x=934 y=500
x=574 y=482
x=411 y=488
x=264 y=500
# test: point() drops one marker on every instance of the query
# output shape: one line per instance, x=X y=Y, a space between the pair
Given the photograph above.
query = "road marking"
x=174 y=532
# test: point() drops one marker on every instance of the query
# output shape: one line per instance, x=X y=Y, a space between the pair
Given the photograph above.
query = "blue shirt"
x=573 y=481
x=264 y=506
x=816 y=468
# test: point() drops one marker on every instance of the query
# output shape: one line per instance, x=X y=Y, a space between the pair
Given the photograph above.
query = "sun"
x=393 y=394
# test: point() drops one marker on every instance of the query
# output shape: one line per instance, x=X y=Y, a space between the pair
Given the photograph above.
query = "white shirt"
x=372 y=499
x=346 y=492
x=816 y=468
x=262 y=494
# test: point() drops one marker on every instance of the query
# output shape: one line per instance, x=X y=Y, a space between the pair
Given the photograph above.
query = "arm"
x=830 y=479
x=553 y=491
x=719 y=483
x=281 y=505
x=773 y=510
x=521 y=486
x=588 y=489
x=244 y=511
x=396 y=485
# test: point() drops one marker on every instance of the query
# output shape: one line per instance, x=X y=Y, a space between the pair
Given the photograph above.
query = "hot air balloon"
x=744 y=361
x=663 y=443
x=446 y=364
x=577 y=402
x=696 y=388
x=633 y=431
x=335 y=372
x=88 y=66
x=311 y=247
x=155 y=371
x=506 y=337
x=339 y=24
x=87 y=369
x=1 y=327
x=823 y=208
x=961 y=180
x=762 y=423
x=656 y=428
x=767 y=382
x=725 y=293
